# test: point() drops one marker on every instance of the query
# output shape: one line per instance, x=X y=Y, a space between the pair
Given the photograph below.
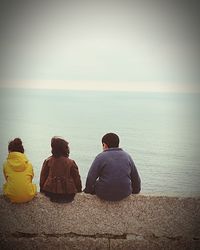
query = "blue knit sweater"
x=113 y=175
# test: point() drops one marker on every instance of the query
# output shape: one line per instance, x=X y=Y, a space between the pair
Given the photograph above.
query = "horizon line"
x=102 y=86
x=102 y=90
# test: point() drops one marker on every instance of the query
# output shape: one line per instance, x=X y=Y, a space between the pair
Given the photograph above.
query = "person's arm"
x=4 y=171
x=31 y=173
x=135 y=178
x=44 y=174
x=93 y=174
x=29 y=167
x=76 y=176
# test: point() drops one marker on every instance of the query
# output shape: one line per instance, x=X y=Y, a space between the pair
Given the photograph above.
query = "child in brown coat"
x=59 y=178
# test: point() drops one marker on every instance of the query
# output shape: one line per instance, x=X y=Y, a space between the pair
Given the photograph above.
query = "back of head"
x=16 y=146
x=59 y=147
x=111 y=140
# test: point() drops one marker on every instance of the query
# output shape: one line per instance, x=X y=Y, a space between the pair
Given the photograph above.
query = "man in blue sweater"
x=113 y=174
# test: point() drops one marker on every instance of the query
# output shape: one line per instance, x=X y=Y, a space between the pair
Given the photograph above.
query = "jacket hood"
x=17 y=161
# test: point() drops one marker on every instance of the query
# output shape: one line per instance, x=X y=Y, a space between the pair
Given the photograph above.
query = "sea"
x=159 y=130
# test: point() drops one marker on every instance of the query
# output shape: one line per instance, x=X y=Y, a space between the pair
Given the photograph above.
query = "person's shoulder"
x=50 y=158
x=108 y=152
x=126 y=153
x=100 y=155
x=69 y=160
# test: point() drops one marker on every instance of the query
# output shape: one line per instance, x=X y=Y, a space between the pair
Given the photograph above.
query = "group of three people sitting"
x=112 y=176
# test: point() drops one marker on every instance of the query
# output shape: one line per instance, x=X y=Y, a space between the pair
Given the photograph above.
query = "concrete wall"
x=137 y=222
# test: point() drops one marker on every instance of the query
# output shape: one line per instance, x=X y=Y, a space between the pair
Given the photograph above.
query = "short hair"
x=59 y=147
x=16 y=146
x=111 y=140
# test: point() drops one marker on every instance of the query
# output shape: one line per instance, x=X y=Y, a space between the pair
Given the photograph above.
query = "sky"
x=100 y=45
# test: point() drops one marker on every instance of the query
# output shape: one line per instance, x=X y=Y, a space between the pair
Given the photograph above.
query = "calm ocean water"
x=159 y=130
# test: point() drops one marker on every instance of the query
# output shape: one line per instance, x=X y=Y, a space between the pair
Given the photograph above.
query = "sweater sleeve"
x=76 y=176
x=44 y=174
x=92 y=176
x=135 y=178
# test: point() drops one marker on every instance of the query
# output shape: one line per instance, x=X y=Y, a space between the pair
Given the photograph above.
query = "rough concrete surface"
x=137 y=222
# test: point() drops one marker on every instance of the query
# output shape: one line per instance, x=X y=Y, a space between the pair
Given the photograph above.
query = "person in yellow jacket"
x=18 y=173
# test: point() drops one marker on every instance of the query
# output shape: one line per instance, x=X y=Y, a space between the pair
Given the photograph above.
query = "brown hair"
x=111 y=140
x=16 y=146
x=59 y=147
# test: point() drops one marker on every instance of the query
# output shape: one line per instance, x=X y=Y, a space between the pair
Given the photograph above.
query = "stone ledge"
x=137 y=222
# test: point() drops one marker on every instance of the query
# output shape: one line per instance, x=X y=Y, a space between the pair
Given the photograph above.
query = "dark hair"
x=59 y=147
x=111 y=140
x=16 y=146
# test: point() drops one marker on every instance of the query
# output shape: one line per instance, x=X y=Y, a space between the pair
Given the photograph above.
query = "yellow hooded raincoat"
x=18 y=173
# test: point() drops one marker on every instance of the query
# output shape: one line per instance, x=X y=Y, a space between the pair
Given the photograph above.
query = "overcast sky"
x=123 y=45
